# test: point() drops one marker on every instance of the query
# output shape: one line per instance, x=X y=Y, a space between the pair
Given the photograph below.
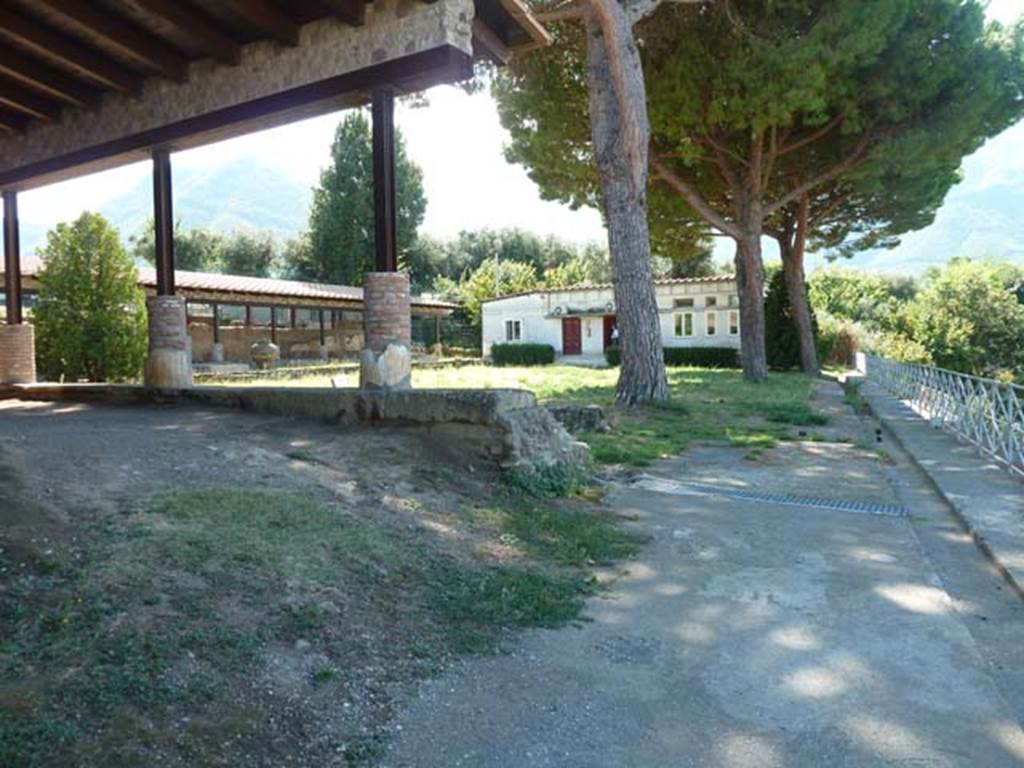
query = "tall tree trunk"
x=792 y=252
x=621 y=133
x=750 y=284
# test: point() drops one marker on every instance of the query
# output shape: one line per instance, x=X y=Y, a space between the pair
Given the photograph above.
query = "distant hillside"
x=980 y=218
x=240 y=194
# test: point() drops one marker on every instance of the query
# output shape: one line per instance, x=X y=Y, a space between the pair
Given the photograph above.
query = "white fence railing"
x=985 y=412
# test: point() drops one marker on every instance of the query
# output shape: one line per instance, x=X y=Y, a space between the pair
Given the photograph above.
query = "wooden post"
x=248 y=315
x=437 y=333
x=323 y=338
x=385 y=219
x=273 y=324
x=12 y=258
x=163 y=222
x=293 y=318
x=216 y=323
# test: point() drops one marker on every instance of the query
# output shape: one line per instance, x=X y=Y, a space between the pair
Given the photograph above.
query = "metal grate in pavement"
x=663 y=485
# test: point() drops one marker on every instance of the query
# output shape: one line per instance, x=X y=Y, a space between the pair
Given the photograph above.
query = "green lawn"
x=707 y=404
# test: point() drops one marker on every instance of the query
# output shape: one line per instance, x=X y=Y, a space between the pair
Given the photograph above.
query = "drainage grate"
x=662 y=485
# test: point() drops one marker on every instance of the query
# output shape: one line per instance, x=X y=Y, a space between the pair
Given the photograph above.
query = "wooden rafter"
x=46 y=79
x=216 y=43
x=268 y=18
x=486 y=41
x=27 y=32
x=27 y=101
x=137 y=43
x=12 y=121
x=350 y=11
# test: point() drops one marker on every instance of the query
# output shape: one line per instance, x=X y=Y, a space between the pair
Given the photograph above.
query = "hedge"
x=522 y=354
x=700 y=357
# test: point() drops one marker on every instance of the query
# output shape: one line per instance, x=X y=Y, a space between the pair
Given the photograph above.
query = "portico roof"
x=90 y=84
x=212 y=287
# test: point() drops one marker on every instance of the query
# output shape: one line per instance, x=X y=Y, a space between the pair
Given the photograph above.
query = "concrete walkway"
x=757 y=635
x=986 y=496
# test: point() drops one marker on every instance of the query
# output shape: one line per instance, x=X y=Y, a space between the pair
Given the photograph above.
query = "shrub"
x=781 y=336
x=700 y=357
x=91 y=316
x=522 y=354
x=898 y=347
x=838 y=340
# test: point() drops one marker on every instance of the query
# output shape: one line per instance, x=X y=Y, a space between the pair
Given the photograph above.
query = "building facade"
x=694 y=312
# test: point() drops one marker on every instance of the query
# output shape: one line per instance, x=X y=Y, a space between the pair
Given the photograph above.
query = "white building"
x=695 y=312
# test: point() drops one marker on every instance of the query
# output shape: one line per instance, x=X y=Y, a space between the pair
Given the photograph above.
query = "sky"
x=458 y=141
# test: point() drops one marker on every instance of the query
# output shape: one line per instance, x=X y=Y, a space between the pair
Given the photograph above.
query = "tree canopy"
x=755 y=107
x=341 y=237
x=91 y=316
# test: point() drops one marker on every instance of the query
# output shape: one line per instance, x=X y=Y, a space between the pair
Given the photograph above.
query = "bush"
x=91 y=315
x=898 y=347
x=838 y=340
x=522 y=354
x=781 y=336
x=699 y=357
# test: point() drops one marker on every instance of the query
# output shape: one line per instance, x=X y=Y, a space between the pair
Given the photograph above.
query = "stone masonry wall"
x=386 y=310
x=17 y=354
x=295 y=343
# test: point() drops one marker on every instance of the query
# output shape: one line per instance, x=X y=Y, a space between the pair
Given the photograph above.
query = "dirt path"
x=757 y=634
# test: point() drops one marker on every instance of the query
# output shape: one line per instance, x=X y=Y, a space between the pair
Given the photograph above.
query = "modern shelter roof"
x=121 y=77
x=240 y=289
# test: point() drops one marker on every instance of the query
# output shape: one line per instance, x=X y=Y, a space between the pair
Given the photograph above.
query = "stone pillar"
x=218 y=352
x=385 y=362
x=17 y=354
x=169 y=364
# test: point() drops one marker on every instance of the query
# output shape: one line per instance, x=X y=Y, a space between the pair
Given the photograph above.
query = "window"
x=712 y=323
x=513 y=330
x=710 y=301
x=684 y=324
x=734 y=323
x=683 y=303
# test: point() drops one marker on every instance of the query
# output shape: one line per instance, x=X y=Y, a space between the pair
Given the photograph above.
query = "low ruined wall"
x=295 y=343
x=502 y=425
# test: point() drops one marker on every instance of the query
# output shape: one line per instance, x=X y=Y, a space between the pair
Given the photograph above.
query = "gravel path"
x=756 y=634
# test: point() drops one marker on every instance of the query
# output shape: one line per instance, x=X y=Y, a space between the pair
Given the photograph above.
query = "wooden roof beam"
x=262 y=14
x=12 y=122
x=215 y=42
x=46 y=79
x=352 y=12
x=24 y=31
x=137 y=43
x=27 y=101
x=487 y=42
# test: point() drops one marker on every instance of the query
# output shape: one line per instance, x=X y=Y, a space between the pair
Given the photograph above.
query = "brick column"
x=385 y=363
x=169 y=364
x=17 y=354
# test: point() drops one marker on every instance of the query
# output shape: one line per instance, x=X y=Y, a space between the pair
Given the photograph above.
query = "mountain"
x=244 y=193
x=980 y=218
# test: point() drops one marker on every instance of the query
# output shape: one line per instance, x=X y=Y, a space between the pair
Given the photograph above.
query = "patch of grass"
x=797 y=414
x=477 y=606
x=306 y=457
x=854 y=398
x=179 y=600
x=545 y=482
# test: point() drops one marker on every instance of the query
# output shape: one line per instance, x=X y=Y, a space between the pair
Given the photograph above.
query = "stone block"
x=392 y=369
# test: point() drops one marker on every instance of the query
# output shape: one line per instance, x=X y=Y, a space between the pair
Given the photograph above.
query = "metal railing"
x=985 y=412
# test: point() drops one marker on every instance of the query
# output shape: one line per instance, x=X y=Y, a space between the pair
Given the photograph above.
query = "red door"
x=609 y=324
x=572 y=338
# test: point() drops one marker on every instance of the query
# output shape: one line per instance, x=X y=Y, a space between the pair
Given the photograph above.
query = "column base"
x=169 y=365
x=17 y=354
x=390 y=370
x=217 y=355
x=323 y=352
